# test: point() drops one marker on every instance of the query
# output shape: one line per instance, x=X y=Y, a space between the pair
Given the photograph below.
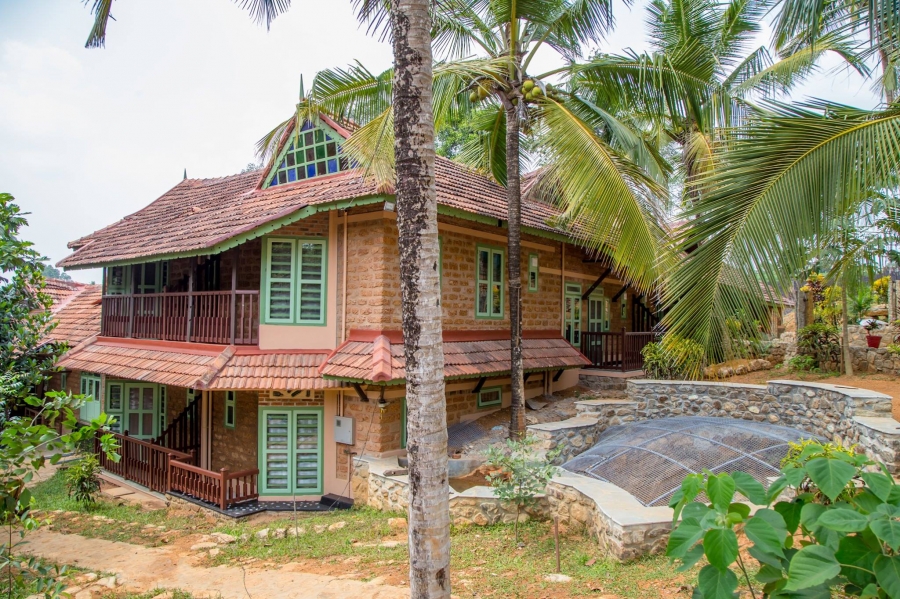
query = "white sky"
x=88 y=136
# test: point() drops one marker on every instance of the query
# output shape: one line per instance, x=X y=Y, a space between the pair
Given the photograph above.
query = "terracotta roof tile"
x=356 y=359
x=270 y=370
x=61 y=290
x=77 y=316
x=199 y=214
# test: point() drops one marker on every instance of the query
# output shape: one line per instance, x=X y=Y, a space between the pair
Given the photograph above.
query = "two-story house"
x=252 y=323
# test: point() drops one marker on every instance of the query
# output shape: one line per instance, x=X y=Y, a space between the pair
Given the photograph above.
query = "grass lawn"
x=485 y=560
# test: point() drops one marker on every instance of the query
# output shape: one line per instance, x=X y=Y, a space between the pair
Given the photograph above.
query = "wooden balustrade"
x=183 y=433
x=619 y=350
x=224 y=317
x=141 y=461
x=222 y=488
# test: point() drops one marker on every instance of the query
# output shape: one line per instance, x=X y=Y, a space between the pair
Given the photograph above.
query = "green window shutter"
x=162 y=408
x=492 y=396
x=279 y=280
x=90 y=388
x=274 y=451
x=291 y=451
x=313 y=263
x=115 y=392
x=118 y=280
x=489 y=283
x=230 y=409
x=533 y=267
x=308 y=452
x=573 y=314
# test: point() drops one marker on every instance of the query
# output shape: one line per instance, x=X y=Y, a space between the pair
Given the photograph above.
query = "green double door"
x=135 y=406
x=290 y=456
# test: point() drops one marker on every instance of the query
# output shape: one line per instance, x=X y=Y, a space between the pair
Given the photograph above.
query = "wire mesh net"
x=650 y=459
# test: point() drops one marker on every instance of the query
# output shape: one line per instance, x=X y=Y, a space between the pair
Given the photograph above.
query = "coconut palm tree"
x=783 y=187
x=589 y=155
x=429 y=508
x=696 y=81
x=413 y=134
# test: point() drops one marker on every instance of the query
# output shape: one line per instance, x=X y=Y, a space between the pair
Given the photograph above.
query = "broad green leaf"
x=721 y=547
x=690 y=559
x=750 y=488
x=765 y=558
x=683 y=538
x=790 y=511
x=695 y=510
x=887 y=530
x=843 y=520
x=741 y=508
x=854 y=552
x=869 y=592
x=810 y=513
x=879 y=484
x=887 y=573
x=775 y=489
x=894 y=496
x=811 y=566
x=810 y=450
x=794 y=475
x=769 y=574
x=720 y=490
x=764 y=536
x=867 y=501
x=717 y=584
x=830 y=475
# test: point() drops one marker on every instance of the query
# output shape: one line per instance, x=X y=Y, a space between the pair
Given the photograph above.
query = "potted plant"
x=873 y=341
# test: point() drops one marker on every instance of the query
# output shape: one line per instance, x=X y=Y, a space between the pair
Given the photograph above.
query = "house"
x=249 y=333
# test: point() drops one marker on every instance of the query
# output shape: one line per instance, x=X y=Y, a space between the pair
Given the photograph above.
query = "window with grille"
x=314 y=152
x=295 y=285
x=489 y=283
x=490 y=397
x=533 y=272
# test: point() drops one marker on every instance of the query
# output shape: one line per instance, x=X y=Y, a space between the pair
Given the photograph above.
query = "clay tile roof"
x=465 y=356
x=273 y=370
x=200 y=214
x=77 y=316
x=61 y=290
x=145 y=363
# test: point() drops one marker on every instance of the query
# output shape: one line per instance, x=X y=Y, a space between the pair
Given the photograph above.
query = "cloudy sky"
x=88 y=136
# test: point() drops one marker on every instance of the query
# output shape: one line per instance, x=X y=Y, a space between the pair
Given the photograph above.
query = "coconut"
x=527 y=85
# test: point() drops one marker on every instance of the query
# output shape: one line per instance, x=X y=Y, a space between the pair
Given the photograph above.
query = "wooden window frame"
x=90 y=384
x=534 y=269
x=261 y=452
x=231 y=402
x=491 y=251
x=624 y=307
x=490 y=404
x=296 y=281
x=162 y=406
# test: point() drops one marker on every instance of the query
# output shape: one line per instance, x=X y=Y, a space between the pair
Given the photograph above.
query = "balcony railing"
x=224 y=317
x=619 y=350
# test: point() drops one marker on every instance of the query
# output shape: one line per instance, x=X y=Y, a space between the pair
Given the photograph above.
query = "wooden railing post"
x=169 y=471
x=130 y=300
x=624 y=348
x=233 y=295
x=223 y=473
x=190 y=304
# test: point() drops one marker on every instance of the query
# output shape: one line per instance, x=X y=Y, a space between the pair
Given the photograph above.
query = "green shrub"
x=894 y=349
x=802 y=364
x=82 y=480
x=837 y=535
x=673 y=358
x=820 y=341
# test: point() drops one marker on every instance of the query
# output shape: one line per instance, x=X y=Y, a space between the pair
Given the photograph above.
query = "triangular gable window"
x=313 y=152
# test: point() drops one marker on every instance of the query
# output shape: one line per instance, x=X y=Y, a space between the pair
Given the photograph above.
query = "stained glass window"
x=315 y=151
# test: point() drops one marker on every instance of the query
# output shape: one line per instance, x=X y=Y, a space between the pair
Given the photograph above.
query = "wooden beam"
x=480 y=384
x=619 y=294
x=596 y=284
x=557 y=375
x=359 y=391
x=525 y=377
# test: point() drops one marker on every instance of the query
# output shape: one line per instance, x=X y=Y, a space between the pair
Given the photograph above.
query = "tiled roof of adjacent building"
x=77 y=315
x=377 y=357
x=204 y=214
x=61 y=290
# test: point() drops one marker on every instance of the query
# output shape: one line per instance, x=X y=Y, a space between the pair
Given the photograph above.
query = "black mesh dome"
x=650 y=459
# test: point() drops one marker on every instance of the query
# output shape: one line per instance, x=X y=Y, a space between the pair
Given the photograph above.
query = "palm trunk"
x=514 y=262
x=846 y=356
x=429 y=514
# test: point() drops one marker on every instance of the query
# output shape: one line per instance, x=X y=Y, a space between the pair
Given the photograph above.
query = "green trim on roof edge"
x=459 y=377
x=261 y=230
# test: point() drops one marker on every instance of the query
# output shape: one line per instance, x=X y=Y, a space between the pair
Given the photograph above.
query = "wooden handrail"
x=615 y=350
x=183 y=433
x=222 y=488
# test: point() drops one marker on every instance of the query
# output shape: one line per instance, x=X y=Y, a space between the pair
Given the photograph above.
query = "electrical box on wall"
x=344 y=430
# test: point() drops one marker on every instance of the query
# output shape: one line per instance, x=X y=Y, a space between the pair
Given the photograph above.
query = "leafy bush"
x=809 y=449
x=820 y=341
x=802 y=364
x=838 y=530
x=880 y=288
x=82 y=481
x=860 y=305
x=524 y=471
x=894 y=349
x=673 y=358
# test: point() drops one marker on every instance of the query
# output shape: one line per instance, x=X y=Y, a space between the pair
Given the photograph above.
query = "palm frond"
x=101 y=11
x=354 y=92
x=784 y=181
x=371 y=147
x=608 y=202
x=268 y=145
x=486 y=153
x=264 y=11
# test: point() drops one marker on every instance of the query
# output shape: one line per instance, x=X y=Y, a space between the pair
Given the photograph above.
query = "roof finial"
x=302 y=93
x=185 y=174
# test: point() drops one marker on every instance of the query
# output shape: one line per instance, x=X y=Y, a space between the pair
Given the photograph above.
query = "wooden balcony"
x=222 y=317
x=618 y=350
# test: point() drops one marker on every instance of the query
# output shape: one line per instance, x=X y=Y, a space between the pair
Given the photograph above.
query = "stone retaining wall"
x=867 y=359
x=372 y=486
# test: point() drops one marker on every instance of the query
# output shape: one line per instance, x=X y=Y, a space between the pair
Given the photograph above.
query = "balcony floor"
x=248 y=508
